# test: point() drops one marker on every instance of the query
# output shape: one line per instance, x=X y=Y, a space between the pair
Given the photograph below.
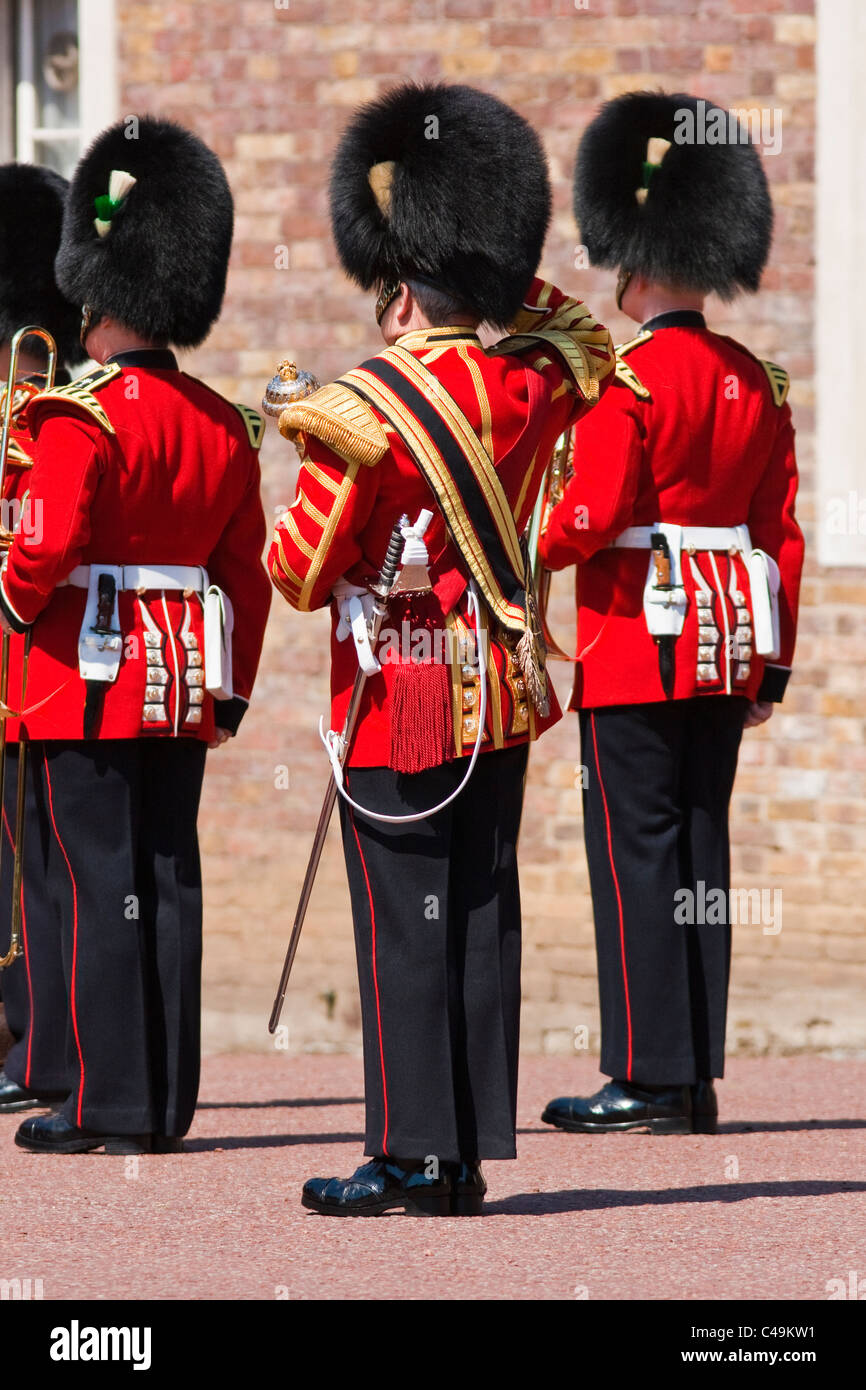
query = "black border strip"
x=458 y=466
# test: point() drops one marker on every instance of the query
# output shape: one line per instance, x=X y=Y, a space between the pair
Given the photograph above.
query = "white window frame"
x=7 y=148
x=840 y=309
x=97 y=78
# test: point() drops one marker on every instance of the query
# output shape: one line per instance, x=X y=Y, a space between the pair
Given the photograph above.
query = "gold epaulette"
x=253 y=421
x=625 y=373
x=778 y=379
x=629 y=377
x=342 y=420
x=81 y=393
x=642 y=337
x=574 y=349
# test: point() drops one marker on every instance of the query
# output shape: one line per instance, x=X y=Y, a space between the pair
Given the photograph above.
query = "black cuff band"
x=229 y=713
x=12 y=618
x=773 y=683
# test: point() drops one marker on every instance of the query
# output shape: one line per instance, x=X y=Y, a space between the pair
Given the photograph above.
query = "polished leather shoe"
x=468 y=1189
x=705 y=1108
x=54 y=1134
x=166 y=1144
x=384 y=1184
x=624 y=1105
x=14 y=1097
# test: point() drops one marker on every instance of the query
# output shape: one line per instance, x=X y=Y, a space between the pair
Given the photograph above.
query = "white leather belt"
x=137 y=577
x=694 y=538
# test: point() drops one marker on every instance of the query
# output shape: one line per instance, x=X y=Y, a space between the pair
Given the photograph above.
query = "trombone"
x=557 y=475
x=7 y=536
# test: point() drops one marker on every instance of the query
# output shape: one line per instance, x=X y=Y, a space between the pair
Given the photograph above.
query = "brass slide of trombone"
x=558 y=474
x=6 y=538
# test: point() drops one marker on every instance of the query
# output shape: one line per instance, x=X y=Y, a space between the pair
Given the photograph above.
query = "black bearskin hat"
x=150 y=249
x=446 y=185
x=698 y=216
x=31 y=215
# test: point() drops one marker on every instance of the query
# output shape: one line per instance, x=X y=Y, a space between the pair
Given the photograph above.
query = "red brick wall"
x=270 y=89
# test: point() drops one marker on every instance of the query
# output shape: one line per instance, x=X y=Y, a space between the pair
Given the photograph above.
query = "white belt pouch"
x=764 y=583
x=219 y=622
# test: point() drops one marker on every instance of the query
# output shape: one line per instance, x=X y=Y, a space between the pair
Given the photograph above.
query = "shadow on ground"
x=732 y=1127
x=782 y=1126
x=266 y=1141
x=600 y=1199
x=298 y=1103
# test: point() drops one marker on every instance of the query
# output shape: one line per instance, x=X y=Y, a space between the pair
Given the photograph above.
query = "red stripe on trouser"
x=72 y=1008
x=29 y=1062
x=375 y=982
x=618 y=895
x=26 y=961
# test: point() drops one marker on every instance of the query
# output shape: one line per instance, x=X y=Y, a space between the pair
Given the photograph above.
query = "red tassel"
x=421 y=727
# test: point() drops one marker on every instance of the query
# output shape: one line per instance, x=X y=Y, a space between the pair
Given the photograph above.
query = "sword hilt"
x=385 y=582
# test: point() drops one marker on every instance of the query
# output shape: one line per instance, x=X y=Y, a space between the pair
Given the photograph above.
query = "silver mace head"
x=288 y=385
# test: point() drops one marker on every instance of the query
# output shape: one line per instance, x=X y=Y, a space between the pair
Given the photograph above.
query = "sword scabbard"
x=381 y=590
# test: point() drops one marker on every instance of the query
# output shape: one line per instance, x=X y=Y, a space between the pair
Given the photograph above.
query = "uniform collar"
x=155 y=359
x=430 y=337
x=675 y=318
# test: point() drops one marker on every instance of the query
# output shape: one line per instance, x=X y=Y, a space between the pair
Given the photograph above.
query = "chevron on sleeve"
x=254 y=423
x=779 y=381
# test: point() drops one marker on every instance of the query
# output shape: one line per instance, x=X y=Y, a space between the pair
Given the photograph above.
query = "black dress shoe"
x=705 y=1108
x=14 y=1097
x=468 y=1189
x=166 y=1144
x=624 y=1105
x=54 y=1134
x=384 y=1184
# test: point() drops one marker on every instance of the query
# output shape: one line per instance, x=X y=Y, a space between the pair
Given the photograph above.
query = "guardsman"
x=680 y=521
x=146 y=600
x=440 y=201
x=31 y=215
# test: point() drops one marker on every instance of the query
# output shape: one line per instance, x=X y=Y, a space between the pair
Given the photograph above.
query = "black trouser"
x=123 y=872
x=436 y=907
x=659 y=782
x=34 y=986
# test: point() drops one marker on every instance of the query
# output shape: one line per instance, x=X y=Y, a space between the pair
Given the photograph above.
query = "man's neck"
x=417 y=322
x=662 y=299
x=103 y=343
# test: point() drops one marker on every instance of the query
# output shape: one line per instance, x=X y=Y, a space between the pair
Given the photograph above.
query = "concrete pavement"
x=774 y=1207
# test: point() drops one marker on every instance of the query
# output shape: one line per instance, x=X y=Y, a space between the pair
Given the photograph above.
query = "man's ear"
x=404 y=304
x=398 y=314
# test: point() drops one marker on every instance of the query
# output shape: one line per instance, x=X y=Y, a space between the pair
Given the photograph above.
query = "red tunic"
x=710 y=443
x=15 y=510
x=139 y=464
x=348 y=501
